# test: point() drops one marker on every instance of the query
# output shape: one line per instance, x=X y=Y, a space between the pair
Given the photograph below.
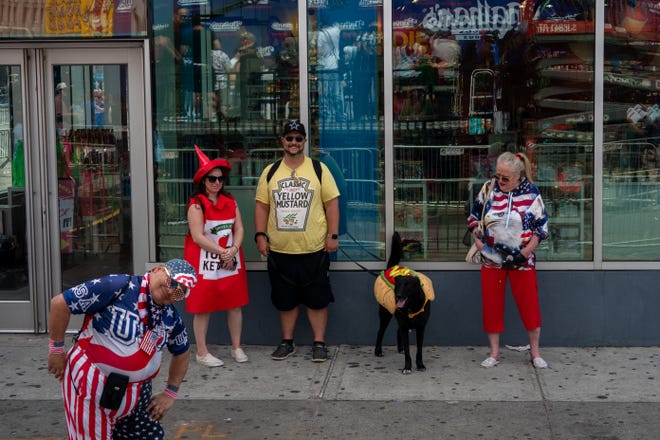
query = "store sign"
x=108 y=18
x=192 y=2
x=551 y=27
x=631 y=81
x=466 y=23
x=226 y=26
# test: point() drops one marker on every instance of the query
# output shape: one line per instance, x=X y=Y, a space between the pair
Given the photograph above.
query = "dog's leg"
x=405 y=339
x=399 y=340
x=384 y=316
x=419 y=334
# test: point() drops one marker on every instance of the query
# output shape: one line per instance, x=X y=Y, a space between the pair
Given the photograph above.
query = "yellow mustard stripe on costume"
x=384 y=295
x=384 y=286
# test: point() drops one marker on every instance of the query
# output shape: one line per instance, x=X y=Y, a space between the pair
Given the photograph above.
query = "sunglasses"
x=504 y=179
x=214 y=179
x=296 y=138
x=178 y=289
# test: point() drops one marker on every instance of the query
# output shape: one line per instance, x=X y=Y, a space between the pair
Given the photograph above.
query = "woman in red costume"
x=213 y=248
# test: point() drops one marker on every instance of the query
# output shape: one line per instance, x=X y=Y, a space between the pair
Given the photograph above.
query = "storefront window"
x=631 y=197
x=346 y=125
x=225 y=78
x=474 y=80
x=470 y=81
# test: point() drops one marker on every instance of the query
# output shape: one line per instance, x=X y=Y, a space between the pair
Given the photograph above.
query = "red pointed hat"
x=206 y=165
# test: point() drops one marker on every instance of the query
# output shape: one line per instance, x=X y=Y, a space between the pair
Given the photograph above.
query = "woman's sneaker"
x=283 y=351
x=239 y=355
x=209 y=360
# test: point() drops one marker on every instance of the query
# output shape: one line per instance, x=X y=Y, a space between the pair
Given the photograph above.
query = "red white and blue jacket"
x=112 y=330
x=511 y=219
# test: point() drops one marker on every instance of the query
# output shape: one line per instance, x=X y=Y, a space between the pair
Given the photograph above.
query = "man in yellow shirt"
x=297 y=221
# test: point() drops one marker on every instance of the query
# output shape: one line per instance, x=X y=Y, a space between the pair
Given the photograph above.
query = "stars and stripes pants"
x=86 y=419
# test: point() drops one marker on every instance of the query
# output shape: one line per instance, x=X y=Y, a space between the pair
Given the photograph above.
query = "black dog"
x=413 y=310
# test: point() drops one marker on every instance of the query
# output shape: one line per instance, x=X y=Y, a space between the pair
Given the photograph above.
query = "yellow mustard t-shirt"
x=296 y=219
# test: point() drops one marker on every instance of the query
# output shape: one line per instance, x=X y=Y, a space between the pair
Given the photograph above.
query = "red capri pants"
x=525 y=292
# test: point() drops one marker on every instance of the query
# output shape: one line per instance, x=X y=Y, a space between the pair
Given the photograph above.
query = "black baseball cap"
x=292 y=126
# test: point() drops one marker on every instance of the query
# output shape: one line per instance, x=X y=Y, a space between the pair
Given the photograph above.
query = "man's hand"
x=159 y=406
x=56 y=364
x=331 y=244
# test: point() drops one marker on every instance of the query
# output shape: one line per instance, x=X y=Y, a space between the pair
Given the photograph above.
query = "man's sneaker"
x=283 y=351
x=319 y=353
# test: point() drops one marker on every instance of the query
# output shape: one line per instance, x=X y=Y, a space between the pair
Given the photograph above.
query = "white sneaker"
x=239 y=355
x=489 y=362
x=539 y=362
x=209 y=360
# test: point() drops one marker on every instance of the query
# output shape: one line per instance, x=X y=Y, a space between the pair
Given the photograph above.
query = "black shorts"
x=300 y=279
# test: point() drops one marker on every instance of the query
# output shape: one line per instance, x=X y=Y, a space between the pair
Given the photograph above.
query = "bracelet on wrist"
x=55 y=347
x=171 y=391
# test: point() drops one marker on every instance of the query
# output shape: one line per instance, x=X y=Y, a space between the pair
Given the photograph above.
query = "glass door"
x=98 y=158
x=83 y=161
x=15 y=282
x=93 y=170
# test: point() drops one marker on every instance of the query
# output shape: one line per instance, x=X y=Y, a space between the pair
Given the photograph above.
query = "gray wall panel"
x=615 y=308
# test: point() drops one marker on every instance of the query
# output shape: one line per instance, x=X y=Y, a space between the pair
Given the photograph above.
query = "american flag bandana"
x=145 y=308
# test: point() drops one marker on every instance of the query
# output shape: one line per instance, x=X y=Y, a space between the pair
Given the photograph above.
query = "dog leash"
x=376 y=274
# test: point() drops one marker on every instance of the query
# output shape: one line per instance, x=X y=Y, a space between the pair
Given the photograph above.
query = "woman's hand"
x=476 y=235
x=228 y=254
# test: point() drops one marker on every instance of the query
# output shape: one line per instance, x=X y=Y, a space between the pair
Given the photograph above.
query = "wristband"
x=171 y=391
x=333 y=236
x=257 y=234
x=55 y=347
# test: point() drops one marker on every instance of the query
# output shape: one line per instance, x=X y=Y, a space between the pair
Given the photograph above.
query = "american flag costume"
x=124 y=331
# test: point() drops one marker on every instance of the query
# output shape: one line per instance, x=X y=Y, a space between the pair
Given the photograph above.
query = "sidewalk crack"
x=328 y=375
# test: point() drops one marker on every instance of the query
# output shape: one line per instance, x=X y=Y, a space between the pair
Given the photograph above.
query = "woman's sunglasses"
x=214 y=179
x=502 y=178
x=297 y=138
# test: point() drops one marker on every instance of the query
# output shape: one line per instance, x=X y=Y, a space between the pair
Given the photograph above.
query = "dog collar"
x=412 y=315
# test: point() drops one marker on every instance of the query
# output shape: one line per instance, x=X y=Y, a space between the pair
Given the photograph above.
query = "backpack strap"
x=272 y=170
x=317 y=169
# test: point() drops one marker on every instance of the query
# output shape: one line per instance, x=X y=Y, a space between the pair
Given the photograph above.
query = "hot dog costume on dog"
x=384 y=286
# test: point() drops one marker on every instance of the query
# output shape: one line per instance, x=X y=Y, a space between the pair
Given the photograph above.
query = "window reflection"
x=631 y=132
x=346 y=84
x=474 y=80
x=471 y=80
x=226 y=77
x=13 y=215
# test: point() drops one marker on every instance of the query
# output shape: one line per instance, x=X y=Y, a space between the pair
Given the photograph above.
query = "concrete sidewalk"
x=586 y=393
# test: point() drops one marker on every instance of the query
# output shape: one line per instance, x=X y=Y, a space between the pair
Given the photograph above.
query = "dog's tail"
x=396 y=252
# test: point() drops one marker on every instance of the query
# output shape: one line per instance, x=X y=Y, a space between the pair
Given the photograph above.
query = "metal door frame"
x=42 y=213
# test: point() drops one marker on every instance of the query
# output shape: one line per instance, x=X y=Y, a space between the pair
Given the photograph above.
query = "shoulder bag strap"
x=489 y=190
